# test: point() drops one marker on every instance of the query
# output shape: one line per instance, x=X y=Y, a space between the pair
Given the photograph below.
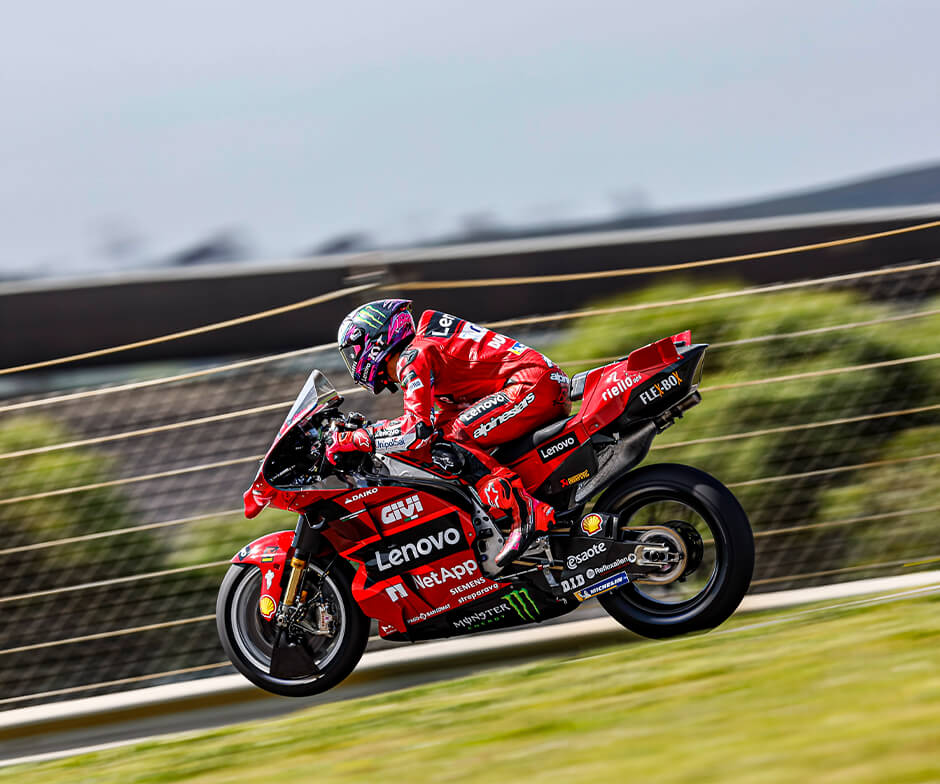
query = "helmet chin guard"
x=371 y=334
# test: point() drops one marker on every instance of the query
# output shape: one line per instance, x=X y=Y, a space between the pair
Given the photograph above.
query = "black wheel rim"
x=254 y=636
x=651 y=507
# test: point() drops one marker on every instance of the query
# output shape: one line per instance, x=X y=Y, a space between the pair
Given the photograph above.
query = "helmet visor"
x=350 y=355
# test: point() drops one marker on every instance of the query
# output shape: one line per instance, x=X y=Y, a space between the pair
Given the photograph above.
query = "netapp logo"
x=561 y=446
x=446 y=575
x=413 y=551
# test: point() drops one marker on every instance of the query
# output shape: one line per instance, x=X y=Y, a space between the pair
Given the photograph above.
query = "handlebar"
x=350 y=462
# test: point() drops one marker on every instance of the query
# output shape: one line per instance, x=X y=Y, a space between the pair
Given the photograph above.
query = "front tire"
x=718 y=583
x=249 y=640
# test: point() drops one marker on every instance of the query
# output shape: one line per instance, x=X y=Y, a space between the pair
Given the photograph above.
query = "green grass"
x=837 y=694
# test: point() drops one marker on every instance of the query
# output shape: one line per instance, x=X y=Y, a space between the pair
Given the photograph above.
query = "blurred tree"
x=224 y=246
x=348 y=242
x=631 y=202
x=479 y=225
x=731 y=325
x=53 y=517
x=119 y=242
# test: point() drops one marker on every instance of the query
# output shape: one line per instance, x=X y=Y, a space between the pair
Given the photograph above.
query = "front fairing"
x=317 y=394
x=304 y=419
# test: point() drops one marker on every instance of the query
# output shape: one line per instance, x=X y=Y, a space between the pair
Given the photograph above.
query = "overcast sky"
x=293 y=121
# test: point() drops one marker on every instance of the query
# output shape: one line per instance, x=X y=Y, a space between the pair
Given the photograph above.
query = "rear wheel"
x=309 y=662
x=691 y=511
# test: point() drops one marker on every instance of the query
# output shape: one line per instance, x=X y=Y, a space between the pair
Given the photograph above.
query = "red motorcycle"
x=666 y=548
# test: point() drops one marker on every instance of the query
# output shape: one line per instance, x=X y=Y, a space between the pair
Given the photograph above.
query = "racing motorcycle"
x=666 y=548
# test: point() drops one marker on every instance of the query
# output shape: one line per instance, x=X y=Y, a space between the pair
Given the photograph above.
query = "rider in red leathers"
x=461 y=383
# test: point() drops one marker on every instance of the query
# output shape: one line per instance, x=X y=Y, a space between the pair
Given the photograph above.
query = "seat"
x=513 y=450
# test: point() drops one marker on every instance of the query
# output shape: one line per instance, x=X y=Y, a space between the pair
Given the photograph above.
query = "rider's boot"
x=530 y=517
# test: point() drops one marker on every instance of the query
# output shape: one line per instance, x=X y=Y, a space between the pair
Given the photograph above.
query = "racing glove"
x=345 y=441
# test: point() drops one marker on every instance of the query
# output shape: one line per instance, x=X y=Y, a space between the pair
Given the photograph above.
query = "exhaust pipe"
x=668 y=418
x=626 y=453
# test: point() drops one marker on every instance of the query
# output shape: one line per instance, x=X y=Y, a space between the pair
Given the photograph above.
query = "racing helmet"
x=372 y=333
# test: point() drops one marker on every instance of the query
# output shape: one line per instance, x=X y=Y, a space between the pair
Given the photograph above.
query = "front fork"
x=307 y=540
x=298 y=565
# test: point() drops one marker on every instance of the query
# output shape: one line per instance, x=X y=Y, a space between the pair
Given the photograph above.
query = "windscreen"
x=317 y=392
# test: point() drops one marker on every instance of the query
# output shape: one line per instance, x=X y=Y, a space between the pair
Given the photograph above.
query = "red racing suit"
x=476 y=387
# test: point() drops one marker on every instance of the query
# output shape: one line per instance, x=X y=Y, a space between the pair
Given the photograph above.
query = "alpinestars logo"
x=505 y=416
x=407 y=357
x=561 y=446
x=413 y=551
x=402 y=510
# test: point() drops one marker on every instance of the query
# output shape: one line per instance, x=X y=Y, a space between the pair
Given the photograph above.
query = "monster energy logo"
x=518 y=600
x=522 y=603
x=371 y=316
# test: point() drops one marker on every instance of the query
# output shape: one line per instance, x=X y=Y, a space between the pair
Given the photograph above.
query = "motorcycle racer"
x=462 y=383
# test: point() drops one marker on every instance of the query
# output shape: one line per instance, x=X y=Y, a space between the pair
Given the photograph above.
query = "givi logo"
x=402 y=510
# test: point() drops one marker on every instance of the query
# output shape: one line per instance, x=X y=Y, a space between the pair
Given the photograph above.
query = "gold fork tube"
x=297 y=571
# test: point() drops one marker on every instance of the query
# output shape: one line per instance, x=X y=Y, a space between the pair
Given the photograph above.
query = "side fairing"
x=414 y=556
x=570 y=447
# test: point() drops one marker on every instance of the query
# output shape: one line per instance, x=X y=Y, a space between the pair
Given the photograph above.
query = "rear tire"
x=726 y=575
x=248 y=639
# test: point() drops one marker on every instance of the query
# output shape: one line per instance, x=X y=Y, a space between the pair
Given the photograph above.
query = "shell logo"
x=591 y=524
x=267 y=606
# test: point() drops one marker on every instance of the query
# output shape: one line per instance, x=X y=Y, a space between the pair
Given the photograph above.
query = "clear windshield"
x=317 y=393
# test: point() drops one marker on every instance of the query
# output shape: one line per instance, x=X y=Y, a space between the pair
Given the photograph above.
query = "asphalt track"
x=66 y=728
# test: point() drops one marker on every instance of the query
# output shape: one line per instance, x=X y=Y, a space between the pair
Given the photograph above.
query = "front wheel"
x=700 y=510
x=309 y=662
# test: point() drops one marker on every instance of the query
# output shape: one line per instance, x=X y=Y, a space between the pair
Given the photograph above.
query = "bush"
x=861 y=393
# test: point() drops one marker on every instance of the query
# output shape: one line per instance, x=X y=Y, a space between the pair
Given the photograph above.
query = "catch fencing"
x=120 y=502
